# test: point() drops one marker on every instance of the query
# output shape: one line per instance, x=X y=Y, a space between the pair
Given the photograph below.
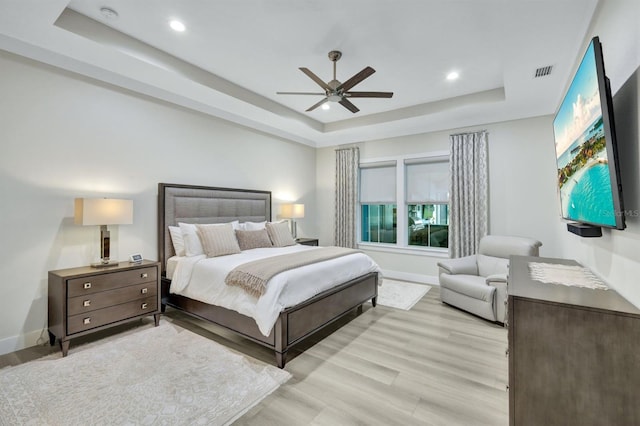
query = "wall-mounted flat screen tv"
x=586 y=151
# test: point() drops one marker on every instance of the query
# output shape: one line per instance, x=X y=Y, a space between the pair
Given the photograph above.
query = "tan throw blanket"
x=253 y=276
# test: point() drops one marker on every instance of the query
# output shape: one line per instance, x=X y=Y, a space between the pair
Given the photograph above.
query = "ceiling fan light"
x=334 y=98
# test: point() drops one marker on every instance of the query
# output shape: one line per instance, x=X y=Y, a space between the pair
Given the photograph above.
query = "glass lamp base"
x=105 y=264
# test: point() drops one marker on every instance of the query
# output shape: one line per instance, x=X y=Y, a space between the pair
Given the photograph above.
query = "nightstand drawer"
x=95 y=301
x=89 y=320
x=108 y=281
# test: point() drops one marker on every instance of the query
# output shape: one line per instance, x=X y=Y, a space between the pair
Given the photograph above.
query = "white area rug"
x=151 y=376
x=400 y=294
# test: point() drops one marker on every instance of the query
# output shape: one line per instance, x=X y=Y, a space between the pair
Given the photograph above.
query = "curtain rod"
x=469 y=133
x=346 y=148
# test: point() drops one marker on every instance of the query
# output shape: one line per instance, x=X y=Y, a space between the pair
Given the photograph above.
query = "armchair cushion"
x=489 y=265
x=473 y=286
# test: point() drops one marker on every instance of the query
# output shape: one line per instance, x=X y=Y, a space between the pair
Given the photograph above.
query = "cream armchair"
x=478 y=283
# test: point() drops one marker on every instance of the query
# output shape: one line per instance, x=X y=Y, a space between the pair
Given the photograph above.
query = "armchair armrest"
x=497 y=278
x=499 y=281
x=463 y=265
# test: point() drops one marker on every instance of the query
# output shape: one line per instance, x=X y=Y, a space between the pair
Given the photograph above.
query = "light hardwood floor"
x=432 y=365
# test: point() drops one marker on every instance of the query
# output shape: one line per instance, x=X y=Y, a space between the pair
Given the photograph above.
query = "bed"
x=210 y=205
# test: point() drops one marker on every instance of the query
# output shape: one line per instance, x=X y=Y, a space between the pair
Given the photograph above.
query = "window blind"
x=378 y=183
x=427 y=182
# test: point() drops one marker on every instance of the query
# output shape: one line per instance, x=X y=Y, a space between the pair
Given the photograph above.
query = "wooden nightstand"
x=307 y=241
x=84 y=300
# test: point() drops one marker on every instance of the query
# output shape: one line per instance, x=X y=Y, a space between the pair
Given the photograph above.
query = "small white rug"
x=151 y=376
x=400 y=294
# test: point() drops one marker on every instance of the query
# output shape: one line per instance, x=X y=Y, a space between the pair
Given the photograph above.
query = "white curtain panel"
x=347 y=160
x=469 y=192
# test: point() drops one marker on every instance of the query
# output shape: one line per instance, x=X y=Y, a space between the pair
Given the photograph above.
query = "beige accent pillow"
x=218 y=240
x=280 y=234
x=253 y=239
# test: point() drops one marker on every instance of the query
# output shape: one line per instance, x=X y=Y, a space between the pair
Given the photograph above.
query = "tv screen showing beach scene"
x=581 y=138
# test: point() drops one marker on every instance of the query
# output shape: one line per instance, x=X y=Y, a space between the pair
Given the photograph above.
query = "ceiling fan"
x=335 y=91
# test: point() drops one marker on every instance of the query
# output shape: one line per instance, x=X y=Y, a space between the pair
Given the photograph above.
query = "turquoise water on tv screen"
x=591 y=199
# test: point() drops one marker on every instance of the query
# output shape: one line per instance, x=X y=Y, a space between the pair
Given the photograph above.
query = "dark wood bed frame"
x=202 y=204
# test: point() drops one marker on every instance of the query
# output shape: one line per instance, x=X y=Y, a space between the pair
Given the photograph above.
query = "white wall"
x=65 y=136
x=616 y=256
x=523 y=197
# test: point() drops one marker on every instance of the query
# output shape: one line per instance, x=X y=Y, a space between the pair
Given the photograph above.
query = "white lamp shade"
x=103 y=211
x=292 y=211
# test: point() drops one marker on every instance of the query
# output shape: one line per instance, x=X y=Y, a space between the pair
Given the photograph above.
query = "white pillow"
x=192 y=245
x=280 y=234
x=177 y=240
x=218 y=240
x=253 y=226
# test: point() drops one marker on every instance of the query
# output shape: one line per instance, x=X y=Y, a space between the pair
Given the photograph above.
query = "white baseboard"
x=22 y=341
x=408 y=276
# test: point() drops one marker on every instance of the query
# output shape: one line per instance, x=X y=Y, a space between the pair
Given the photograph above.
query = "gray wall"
x=65 y=136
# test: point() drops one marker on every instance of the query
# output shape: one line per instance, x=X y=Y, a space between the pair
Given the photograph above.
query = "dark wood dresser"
x=84 y=300
x=574 y=352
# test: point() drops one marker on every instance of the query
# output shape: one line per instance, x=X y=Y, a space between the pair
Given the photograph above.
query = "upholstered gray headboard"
x=204 y=204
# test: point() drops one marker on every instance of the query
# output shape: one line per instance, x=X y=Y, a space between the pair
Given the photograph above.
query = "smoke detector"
x=108 y=13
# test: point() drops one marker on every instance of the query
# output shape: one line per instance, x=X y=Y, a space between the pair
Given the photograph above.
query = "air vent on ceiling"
x=542 y=71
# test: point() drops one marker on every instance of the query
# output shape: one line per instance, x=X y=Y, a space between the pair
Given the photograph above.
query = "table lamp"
x=103 y=212
x=292 y=211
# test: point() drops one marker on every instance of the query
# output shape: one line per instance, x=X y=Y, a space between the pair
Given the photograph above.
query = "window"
x=405 y=202
x=378 y=207
x=427 y=202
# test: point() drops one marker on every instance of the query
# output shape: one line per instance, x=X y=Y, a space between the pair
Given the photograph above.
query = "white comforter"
x=202 y=279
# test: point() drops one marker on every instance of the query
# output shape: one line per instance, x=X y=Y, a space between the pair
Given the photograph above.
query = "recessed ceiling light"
x=326 y=106
x=177 y=25
x=108 y=13
x=453 y=75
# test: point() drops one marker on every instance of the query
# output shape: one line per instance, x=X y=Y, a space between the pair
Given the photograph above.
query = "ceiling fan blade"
x=314 y=106
x=356 y=79
x=368 y=94
x=348 y=105
x=315 y=78
x=301 y=93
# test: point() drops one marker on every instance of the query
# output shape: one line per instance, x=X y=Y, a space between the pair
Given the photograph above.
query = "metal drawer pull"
x=145 y=275
x=144 y=306
x=144 y=291
x=86 y=321
x=86 y=303
x=87 y=285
